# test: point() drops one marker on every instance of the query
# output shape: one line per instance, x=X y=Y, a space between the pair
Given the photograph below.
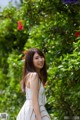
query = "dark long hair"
x=29 y=66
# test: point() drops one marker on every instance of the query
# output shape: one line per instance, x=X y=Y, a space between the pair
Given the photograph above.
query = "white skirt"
x=27 y=112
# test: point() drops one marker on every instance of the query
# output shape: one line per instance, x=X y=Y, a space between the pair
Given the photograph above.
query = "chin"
x=40 y=67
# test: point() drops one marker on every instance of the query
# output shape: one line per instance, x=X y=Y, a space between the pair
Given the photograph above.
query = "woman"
x=34 y=77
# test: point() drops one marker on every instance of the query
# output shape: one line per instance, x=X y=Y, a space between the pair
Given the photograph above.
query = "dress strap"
x=39 y=83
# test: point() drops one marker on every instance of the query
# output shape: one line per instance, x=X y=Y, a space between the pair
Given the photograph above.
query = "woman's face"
x=38 y=61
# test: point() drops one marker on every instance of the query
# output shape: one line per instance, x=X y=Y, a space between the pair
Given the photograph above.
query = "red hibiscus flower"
x=77 y=34
x=20 y=25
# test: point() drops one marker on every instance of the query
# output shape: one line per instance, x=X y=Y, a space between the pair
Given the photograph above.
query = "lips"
x=40 y=64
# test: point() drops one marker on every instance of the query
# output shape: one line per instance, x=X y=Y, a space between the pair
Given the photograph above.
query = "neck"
x=38 y=71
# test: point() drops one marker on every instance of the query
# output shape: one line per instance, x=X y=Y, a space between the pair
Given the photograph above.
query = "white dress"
x=27 y=111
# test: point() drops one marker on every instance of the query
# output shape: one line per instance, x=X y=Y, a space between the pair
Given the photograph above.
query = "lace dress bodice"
x=41 y=97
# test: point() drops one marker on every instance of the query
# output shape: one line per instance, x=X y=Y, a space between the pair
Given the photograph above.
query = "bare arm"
x=34 y=85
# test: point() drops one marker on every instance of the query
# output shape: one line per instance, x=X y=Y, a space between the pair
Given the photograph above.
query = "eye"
x=36 y=57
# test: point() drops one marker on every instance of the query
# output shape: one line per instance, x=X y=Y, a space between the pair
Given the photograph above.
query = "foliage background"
x=51 y=26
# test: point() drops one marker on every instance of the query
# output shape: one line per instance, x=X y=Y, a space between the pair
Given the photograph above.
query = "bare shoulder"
x=32 y=75
x=34 y=81
x=32 y=78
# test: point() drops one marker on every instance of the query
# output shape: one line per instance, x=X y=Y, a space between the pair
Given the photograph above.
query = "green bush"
x=50 y=26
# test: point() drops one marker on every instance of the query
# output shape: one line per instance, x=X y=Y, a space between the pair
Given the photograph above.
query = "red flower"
x=77 y=34
x=20 y=26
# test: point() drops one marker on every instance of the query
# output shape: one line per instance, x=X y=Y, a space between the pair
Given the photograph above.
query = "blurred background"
x=54 y=27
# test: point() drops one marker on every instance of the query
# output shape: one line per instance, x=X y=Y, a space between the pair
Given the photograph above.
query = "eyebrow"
x=38 y=56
